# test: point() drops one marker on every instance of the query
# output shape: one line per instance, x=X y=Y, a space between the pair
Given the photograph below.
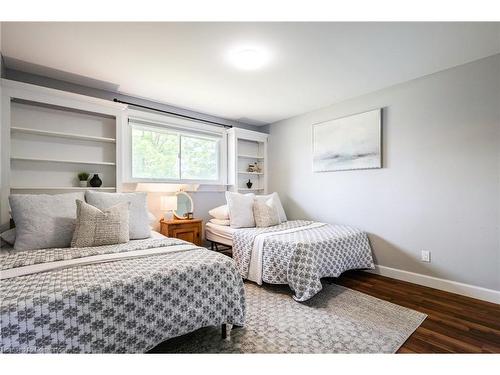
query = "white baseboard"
x=467 y=290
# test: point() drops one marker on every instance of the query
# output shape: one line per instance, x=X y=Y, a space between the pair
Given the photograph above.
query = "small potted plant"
x=83 y=177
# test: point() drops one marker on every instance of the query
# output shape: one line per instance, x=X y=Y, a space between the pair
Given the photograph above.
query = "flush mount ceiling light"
x=248 y=58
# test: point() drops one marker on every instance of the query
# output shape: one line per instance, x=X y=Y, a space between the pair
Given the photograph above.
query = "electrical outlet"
x=426 y=256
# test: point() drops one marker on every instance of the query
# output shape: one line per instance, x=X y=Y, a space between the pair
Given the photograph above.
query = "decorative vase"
x=83 y=183
x=249 y=184
x=95 y=181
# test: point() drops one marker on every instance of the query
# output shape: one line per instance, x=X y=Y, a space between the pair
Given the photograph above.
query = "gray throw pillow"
x=43 y=221
x=9 y=236
x=266 y=213
x=139 y=218
x=97 y=228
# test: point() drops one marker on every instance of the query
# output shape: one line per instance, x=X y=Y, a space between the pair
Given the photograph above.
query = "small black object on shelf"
x=249 y=184
x=95 y=181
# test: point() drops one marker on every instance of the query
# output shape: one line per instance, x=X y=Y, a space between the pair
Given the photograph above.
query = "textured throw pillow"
x=277 y=202
x=240 y=208
x=42 y=220
x=266 y=213
x=139 y=226
x=221 y=222
x=221 y=212
x=96 y=228
x=9 y=236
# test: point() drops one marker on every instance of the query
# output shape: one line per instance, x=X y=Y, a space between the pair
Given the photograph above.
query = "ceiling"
x=312 y=65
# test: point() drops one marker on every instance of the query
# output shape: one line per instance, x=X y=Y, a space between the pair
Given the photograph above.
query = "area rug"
x=336 y=320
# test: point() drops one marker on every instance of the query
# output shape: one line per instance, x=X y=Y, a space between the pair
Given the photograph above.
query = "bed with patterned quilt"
x=297 y=252
x=115 y=298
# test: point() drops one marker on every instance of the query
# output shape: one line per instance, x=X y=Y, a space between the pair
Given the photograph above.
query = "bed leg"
x=224 y=331
x=211 y=245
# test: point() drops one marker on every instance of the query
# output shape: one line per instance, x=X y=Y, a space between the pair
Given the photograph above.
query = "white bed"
x=222 y=234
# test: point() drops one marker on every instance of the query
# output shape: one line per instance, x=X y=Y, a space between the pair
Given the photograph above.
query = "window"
x=155 y=154
x=163 y=153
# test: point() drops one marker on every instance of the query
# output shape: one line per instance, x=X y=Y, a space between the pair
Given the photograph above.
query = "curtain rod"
x=172 y=113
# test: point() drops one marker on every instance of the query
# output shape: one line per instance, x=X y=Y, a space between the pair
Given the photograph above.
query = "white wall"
x=4 y=225
x=204 y=199
x=439 y=189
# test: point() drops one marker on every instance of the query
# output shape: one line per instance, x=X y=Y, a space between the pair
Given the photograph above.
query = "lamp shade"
x=168 y=202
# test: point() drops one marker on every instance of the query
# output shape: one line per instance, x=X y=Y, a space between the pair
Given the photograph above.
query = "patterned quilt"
x=128 y=305
x=300 y=259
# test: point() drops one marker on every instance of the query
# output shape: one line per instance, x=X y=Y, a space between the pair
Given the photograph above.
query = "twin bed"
x=298 y=253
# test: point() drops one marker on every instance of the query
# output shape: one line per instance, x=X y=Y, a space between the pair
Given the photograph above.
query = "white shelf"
x=251 y=157
x=246 y=189
x=64 y=161
x=15 y=129
x=60 y=188
x=252 y=173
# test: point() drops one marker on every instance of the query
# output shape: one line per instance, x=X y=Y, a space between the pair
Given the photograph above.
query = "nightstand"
x=187 y=230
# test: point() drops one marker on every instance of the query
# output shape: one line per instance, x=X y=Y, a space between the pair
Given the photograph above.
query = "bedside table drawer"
x=187 y=230
x=187 y=234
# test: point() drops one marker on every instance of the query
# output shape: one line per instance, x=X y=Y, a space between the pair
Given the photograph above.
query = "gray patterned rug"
x=336 y=320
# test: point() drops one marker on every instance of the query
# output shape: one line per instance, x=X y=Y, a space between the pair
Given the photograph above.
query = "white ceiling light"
x=248 y=58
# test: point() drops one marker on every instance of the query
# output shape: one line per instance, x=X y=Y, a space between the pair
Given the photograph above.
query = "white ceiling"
x=313 y=65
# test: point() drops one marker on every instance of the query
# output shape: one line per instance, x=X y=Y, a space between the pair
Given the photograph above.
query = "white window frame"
x=183 y=127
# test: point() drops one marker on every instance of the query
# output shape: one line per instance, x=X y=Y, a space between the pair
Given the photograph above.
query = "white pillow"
x=220 y=213
x=139 y=218
x=221 y=222
x=42 y=220
x=277 y=202
x=151 y=218
x=266 y=212
x=240 y=209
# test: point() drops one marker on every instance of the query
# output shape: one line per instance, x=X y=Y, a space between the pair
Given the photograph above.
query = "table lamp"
x=168 y=205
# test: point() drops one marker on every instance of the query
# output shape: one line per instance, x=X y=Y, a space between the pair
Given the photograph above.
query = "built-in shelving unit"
x=55 y=144
x=247 y=147
x=49 y=136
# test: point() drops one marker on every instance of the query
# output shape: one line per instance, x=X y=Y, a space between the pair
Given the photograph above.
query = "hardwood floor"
x=455 y=324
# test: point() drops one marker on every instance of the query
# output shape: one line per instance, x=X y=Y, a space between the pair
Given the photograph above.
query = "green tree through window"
x=163 y=154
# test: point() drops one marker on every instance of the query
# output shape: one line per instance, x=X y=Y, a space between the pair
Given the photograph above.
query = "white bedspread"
x=101 y=258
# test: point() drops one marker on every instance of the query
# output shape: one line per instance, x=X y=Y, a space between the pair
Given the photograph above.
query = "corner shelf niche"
x=247 y=147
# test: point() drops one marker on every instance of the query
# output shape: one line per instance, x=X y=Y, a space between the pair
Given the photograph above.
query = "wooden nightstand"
x=187 y=230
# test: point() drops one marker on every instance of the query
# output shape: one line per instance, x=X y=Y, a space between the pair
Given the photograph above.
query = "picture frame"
x=352 y=142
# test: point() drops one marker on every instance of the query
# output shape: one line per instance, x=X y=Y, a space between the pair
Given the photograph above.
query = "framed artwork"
x=347 y=143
